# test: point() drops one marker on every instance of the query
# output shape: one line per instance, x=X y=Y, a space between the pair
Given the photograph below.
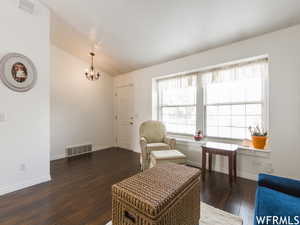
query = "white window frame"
x=160 y=107
x=236 y=103
x=160 y=116
x=264 y=103
x=201 y=105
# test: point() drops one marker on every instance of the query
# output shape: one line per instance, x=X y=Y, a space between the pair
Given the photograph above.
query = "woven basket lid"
x=151 y=192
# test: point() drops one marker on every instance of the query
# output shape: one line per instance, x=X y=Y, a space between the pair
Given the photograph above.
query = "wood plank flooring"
x=80 y=192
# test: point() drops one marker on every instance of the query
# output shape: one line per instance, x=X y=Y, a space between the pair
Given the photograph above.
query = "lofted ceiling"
x=139 y=33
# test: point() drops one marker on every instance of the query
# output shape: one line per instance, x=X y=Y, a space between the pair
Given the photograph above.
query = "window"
x=177 y=103
x=223 y=102
x=234 y=100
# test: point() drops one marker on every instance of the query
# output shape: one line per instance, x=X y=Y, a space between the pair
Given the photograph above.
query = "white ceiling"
x=141 y=33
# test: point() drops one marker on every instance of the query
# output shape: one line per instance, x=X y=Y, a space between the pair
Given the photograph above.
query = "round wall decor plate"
x=17 y=72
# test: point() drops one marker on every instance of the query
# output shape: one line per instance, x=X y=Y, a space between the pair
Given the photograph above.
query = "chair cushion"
x=157 y=146
x=168 y=154
x=174 y=156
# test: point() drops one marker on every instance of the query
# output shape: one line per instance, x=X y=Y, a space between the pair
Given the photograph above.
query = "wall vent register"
x=78 y=150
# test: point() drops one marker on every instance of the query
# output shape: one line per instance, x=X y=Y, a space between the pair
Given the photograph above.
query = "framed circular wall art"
x=18 y=72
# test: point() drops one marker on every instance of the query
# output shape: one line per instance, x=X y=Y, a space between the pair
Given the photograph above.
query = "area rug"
x=214 y=216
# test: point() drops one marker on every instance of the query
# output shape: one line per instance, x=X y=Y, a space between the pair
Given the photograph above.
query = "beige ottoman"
x=174 y=156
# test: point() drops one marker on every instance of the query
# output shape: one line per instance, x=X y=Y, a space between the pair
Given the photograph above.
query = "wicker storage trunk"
x=168 y=194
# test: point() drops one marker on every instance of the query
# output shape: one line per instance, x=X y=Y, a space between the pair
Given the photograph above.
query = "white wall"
x=81 y=110
x=24 y=137
x=283 y=48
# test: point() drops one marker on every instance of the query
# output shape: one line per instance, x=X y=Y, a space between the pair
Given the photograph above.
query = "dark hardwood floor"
x=80 y=192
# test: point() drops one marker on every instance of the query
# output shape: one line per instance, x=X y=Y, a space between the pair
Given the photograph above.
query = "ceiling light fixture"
x=90 y=73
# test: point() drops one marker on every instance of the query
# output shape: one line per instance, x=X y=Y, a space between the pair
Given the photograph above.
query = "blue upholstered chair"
x=278 y=198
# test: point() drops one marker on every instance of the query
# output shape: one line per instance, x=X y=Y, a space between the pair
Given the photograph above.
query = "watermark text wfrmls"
x=278 y=220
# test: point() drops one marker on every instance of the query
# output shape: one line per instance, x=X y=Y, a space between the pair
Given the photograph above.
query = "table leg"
x=209 y=161
x=234 y=166
x=230 y=163
x=203 y=163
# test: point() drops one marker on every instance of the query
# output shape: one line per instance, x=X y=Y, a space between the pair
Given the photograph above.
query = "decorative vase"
x=198 y=138
x=259 y=141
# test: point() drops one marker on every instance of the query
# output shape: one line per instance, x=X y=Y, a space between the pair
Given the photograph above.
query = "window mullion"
x=200 y=111
x=234 y=103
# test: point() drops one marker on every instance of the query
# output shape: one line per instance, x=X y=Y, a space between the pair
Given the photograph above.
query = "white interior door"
x=125 y=118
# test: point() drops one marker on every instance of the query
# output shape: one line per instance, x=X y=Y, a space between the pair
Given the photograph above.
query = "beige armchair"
x=153 y=137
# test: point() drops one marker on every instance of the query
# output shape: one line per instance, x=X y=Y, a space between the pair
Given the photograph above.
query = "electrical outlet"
x=2 y=117
x=23 y=167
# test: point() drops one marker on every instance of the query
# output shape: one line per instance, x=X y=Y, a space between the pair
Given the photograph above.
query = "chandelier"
x=90 y=73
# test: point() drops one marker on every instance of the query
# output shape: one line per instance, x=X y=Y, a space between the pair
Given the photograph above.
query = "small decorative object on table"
x=259 y=137
x=198 y=136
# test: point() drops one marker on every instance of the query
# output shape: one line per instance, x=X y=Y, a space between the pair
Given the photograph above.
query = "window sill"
x=242 y=149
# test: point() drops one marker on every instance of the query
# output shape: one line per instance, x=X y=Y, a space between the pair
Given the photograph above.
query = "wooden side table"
x=229 y=150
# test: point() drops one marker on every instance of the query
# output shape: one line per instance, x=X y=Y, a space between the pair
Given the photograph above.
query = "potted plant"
x=198 y=136
x=259 y=137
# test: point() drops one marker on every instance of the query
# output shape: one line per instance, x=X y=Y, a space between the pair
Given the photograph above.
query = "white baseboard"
x=95 y=148
x=58 y=156
x=15 y=187
x=101 y=147
x=225 y=171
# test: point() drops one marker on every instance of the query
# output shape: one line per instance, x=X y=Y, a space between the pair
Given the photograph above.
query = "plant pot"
x=259 y=141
